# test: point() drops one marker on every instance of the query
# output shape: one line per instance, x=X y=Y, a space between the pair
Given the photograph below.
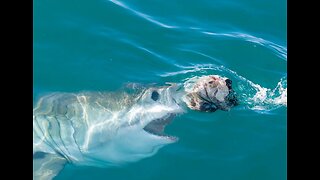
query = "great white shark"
x=108 y=129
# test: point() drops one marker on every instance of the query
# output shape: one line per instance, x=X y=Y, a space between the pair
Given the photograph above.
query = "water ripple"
x=202 y=54
x=143 y=15
x=148 y=50
x=280 y=51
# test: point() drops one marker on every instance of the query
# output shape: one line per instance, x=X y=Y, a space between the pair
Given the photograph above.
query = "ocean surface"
x=102 y=45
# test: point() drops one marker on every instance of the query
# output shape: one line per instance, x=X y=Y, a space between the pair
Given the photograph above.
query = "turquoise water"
x=101 y=45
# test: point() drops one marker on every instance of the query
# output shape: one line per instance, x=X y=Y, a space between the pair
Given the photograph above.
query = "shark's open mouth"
x=157 y=126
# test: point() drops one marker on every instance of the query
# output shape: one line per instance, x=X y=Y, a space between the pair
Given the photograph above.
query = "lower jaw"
x=164 y=136
x=172 y=138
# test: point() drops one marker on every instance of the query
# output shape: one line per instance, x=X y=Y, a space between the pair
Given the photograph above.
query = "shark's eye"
x=210 y=82
x=155 y=95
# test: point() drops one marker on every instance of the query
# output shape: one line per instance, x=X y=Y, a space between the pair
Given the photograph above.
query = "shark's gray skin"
x=110 y=129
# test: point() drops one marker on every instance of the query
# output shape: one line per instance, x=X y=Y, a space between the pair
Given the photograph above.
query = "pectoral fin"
x=47 y=166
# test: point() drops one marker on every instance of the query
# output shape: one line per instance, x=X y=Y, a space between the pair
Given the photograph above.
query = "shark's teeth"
x=157 y=126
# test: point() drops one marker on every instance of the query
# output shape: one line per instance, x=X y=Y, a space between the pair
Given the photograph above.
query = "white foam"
x=264 y=98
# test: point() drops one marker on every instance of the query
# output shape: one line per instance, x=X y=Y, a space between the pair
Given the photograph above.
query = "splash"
x=268 y=99
x=251 y=95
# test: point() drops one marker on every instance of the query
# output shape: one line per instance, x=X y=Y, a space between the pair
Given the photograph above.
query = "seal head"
x=211 y=93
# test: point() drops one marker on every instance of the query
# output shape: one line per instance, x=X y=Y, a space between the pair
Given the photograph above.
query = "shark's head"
x=140 y=131
x=210 y=93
